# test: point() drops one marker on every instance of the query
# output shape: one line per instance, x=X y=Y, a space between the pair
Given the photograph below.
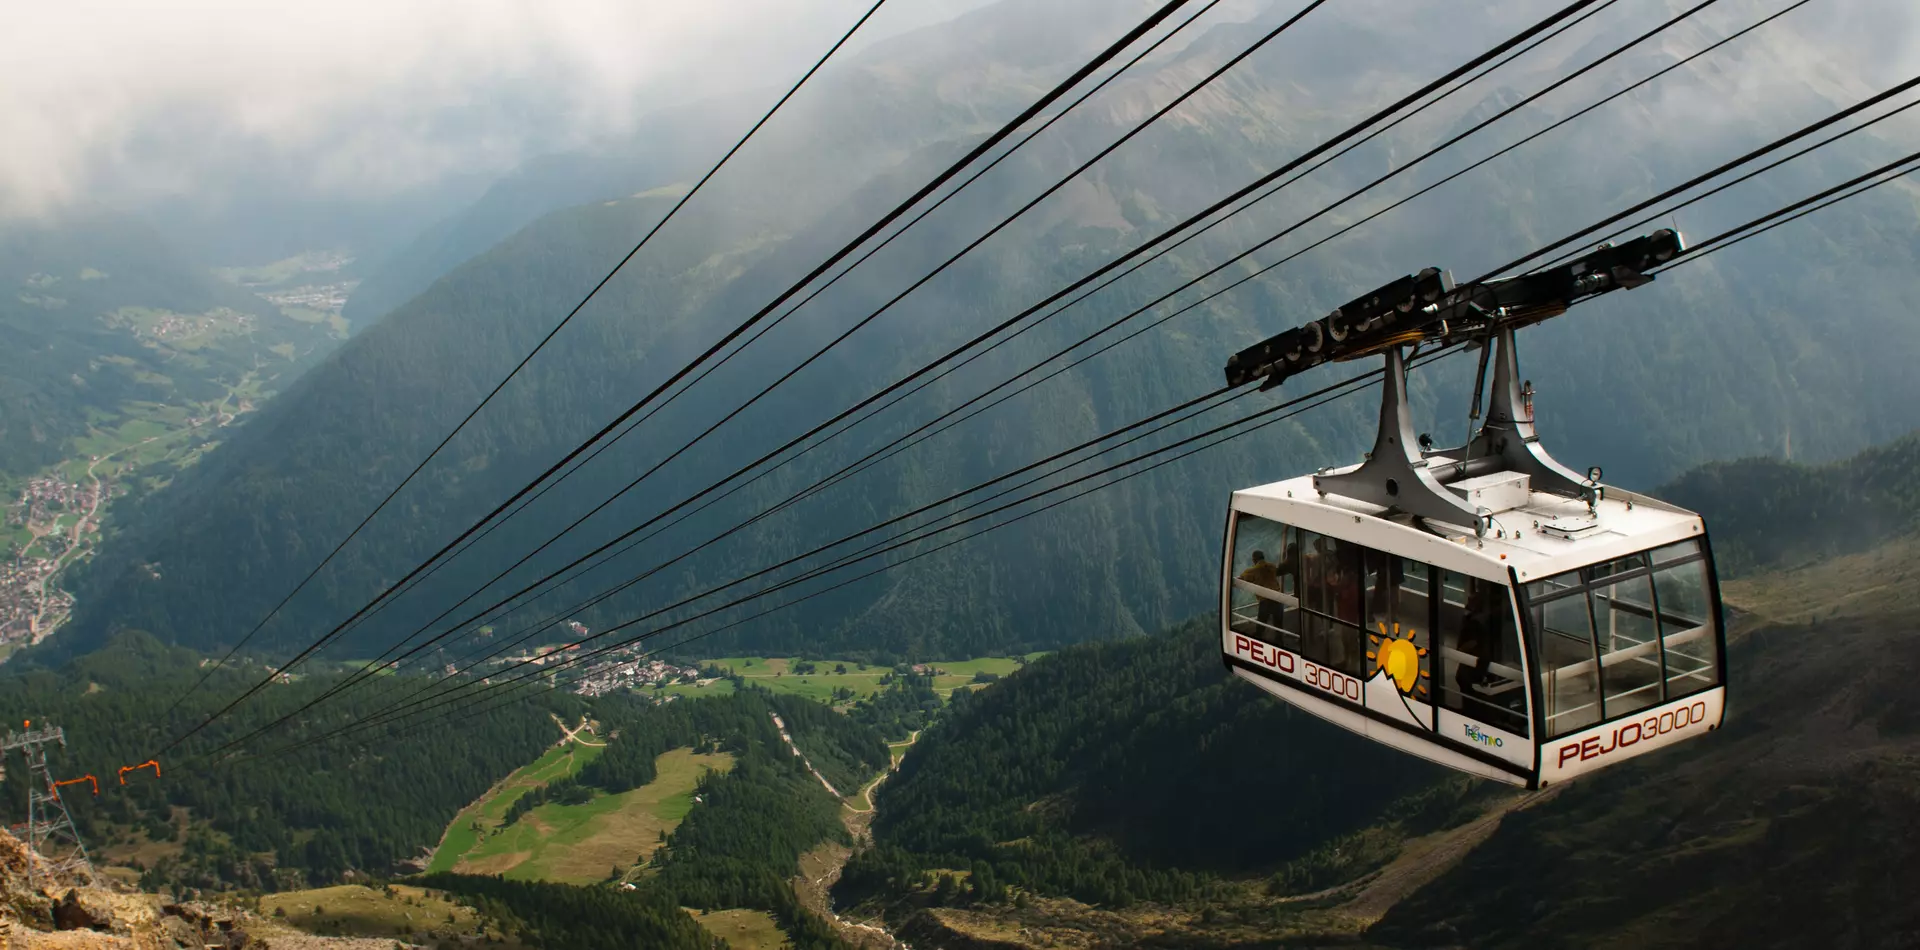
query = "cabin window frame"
x=1592 y=581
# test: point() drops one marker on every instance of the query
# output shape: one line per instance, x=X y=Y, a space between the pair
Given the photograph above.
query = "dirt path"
x=866 y=794
x=782 y=726
x=573 y=734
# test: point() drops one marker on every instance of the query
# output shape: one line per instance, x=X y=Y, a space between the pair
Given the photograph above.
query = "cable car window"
x=1598 y=572
x=1630 y=656
x=1480 y=674
x=1260 y=599
x=1687 y=625
x=1674 y=552
x=1335 y=641
x=1570 y=671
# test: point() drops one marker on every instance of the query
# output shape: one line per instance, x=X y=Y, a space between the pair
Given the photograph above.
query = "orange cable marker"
x=76 y=781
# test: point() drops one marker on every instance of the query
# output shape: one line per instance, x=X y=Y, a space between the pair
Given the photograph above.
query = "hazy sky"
x=127 y=98
x=131 y=100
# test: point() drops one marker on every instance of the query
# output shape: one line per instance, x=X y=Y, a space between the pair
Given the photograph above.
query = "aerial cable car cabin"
x=1483 y=607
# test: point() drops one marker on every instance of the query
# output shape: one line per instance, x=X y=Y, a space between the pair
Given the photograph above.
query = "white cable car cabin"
x=1483 y=608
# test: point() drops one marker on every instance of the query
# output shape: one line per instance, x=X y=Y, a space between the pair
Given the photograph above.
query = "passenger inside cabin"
x=1265 y=575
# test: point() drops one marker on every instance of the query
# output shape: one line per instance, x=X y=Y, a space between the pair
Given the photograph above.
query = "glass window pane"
x=1569 y=675
x=1541 y=590
x=1631 y=562
x=1629 y=650
x=1675 y=551
x=1259 y=561
x=1688 y=628
x=1480 y=674
x=1332 y=589
x=1344 y=582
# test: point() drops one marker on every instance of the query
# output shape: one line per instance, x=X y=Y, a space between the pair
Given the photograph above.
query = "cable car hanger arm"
x=1427 y=307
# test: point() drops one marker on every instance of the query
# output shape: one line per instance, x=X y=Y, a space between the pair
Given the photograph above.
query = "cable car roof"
x=1543 y=535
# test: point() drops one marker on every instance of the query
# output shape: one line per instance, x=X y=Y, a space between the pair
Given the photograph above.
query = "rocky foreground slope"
x=86 y=914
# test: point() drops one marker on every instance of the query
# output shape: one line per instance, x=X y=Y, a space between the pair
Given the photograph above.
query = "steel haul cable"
x=770 y=387
x=675 y=209
x=1708 y=175
x=1328 y=392
x=1313 y=400
x=1363 y=189
x=1516 y=40
x=915 y=437
x=1772 y=219
x=1896 y=166
x=762 y=330
x=1147 y=25
x=1894 y=171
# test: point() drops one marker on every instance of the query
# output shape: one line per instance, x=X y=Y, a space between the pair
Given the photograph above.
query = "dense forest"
x=1725 y=339
x=253 y=821
x=743 y=842
x=905 y=706
x=273 y=823
x=1768 y=513
x=589 y=918
x=1097 y=773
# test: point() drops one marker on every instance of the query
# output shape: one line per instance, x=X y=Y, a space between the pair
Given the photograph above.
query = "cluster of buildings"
x=163 y=325
x=326 y=298
x=46 y=498
x=630 y=668
x=31 y=604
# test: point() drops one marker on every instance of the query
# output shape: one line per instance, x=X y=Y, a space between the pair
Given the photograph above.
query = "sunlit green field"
x=559 y=762
x=777 y=674
x=574 y=844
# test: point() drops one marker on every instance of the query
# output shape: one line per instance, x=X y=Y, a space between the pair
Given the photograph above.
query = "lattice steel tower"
x=50 y=829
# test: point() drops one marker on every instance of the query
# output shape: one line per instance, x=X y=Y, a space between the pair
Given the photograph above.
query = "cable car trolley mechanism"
x=1483 y=607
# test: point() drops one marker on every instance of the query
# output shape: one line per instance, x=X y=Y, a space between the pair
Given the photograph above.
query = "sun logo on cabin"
x=1400 y=657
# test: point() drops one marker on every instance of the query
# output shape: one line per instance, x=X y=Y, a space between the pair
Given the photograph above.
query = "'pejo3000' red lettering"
x=1630 y=734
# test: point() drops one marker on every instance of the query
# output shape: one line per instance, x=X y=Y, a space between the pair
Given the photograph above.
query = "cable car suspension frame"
x=1404 y=473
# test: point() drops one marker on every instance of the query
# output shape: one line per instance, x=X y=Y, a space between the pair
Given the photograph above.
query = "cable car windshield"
x=1617 y=637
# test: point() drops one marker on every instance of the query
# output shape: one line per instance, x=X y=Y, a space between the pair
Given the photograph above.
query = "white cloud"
x=362 y=96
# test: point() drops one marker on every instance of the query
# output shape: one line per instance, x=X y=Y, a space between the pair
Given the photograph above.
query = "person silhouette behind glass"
x=1265 y=575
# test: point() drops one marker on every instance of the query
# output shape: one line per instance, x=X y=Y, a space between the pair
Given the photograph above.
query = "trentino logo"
x=1484 y=738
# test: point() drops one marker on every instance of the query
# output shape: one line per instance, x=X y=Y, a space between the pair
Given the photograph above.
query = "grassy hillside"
x=579 y=844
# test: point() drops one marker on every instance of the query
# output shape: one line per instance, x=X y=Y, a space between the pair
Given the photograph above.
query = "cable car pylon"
x=50 y=829
x=1483 y=607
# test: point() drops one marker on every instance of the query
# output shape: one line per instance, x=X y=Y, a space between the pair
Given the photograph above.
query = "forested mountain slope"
x=98 y=315
x=1769 y=513
x=1119 y=772
x=1716 y=360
